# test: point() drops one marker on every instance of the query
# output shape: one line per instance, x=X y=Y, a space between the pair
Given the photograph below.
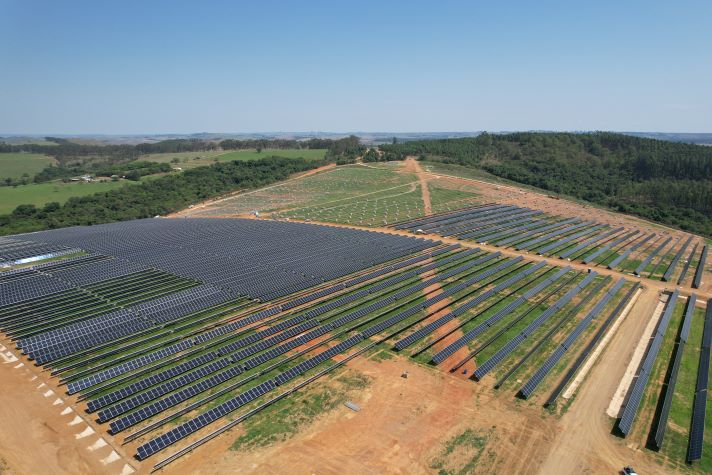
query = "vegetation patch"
x=462 y=452
x=13 y=166
x=288 y=416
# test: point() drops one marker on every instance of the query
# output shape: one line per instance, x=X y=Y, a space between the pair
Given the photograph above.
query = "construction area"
x=391 y=317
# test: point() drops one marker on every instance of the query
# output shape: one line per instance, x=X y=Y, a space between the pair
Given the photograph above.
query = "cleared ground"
x=433 y=420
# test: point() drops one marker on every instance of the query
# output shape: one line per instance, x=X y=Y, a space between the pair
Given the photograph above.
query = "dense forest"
x=156 y=197
x=663 y=181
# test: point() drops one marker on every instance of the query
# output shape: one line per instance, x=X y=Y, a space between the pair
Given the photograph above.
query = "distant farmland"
x=200 y=159
x=40 y=194
x=14 y=165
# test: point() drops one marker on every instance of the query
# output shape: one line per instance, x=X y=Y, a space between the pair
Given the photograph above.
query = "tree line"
x=77 y=159
x=161 y=196
x=668 y=182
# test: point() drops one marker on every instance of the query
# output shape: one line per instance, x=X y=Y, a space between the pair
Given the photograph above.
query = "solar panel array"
x=511 y=345
x=588 y=242
x=184 y=430
x=671 y=268
x=170 y=437
x=448 y=351
x=593 y=343
x=95 y=271
x=13 y=249
x=232 y=257
x=461 y=309
x=31 y=287
x=590 y=257
x=540 y=239
x=520 y=237
x=49 y=266
x=567 y=239
x=152 y=380
x=629 y=251
x=75 y=337
x=635 y=394
x=246 y=257
x=670 y=386
x=699 y=408
x=536 y=379
x=122 y=368
x=496 y=232
x=650 y=257
x=219 y=378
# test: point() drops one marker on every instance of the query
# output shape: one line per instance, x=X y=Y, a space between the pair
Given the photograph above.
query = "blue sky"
x=122 y=67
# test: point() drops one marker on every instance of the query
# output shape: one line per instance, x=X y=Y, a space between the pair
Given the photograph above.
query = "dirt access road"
x=413 y=166
x=41 y=433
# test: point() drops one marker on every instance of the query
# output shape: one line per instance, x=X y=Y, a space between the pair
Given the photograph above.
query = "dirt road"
x=412 y=165
x=584 y=443
x=41 y=433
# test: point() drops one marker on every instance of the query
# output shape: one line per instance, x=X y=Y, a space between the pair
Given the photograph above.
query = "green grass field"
x=14 y=165
x=43 y=193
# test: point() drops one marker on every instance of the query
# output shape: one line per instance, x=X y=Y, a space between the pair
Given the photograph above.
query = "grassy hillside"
x=186 y=160
x=39 y=194
x=663 y=181
x=14 y=165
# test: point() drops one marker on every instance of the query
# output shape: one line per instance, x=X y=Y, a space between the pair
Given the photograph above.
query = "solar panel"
x=187 y=428
x=536 y=379
x=636 y=392
x=448 y=351
x=697 y=280
x=503 y=352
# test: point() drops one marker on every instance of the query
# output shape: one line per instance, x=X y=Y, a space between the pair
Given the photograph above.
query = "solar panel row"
x=635 y=394
x=184 y=430
x=697 y=280
x=650 y=256
x=629 y=251
x=671 y=268
x=431 y=327
x=545 y=237
x=669 y=388
x=536 y=379
x=590 y=257
x=448 y=351
x=598 y=238
x=699 y=408
x=688 y=262
x=122 y=368
x=510 y=346
x=573 y=237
